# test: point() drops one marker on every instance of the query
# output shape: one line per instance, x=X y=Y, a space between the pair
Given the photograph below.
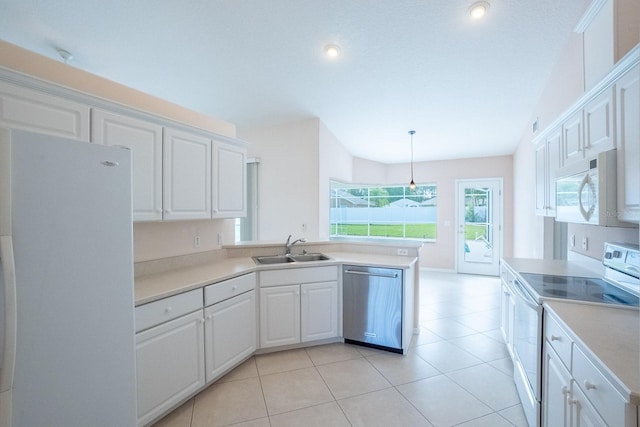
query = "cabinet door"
x=541 y=179
x=229 y=180
x=628 y=132
x=554 y=160
x=556 y=383
x=186 y=175
x=583 y=414
x=318 y=311
x=230 y=333
x=169 y=365
x=598 y=124
x=145 y=141
x=572 y=144
x=35 y=111
x=279 y=315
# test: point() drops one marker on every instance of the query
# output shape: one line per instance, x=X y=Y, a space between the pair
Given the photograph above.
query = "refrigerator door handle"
x=8 y=287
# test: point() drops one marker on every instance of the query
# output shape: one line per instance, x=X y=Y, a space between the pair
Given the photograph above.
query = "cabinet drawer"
x=295 y=276
x=166 y=309
x=600 y=392
x=558 y=339
x=229 y=288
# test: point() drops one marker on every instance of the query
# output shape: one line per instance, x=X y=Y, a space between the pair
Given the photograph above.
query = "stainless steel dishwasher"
x=372 y=307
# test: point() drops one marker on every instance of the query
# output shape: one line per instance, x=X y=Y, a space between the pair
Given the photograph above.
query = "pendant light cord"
x=412 y=184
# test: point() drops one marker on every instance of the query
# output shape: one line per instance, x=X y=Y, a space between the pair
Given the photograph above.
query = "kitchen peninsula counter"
x=169 y=281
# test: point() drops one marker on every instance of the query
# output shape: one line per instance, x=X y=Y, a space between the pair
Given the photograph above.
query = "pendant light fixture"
x=412 y=185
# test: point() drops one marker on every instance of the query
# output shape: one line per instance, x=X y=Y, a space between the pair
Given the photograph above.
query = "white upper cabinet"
x=628 y=132
x=229 y=180
x=547 y=162
x=145 y=141
x=598 y=124
x=186 y=175
x=572 y=143
x=22 y=108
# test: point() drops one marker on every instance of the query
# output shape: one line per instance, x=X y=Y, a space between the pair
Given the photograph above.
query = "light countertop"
x=611 y=334
x=151 y=287
x=553 y=267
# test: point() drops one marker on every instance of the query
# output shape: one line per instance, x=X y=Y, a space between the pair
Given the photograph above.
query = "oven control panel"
x=624 y=258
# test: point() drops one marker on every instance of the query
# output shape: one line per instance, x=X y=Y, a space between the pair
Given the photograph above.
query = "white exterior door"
x=479 y=226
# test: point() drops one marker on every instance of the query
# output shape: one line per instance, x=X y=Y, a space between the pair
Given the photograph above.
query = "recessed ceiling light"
x=478 y=9
x=332 y=51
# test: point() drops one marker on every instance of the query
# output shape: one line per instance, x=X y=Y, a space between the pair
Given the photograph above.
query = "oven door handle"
x=524 y=295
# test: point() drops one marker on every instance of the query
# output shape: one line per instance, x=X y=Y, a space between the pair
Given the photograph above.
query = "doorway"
x=479 y=226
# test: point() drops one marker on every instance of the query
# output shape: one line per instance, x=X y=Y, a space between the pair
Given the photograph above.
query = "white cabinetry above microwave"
x=628 y=134
x=604 y=119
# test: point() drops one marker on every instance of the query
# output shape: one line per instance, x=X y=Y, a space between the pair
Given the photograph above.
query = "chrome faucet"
x=289 y=245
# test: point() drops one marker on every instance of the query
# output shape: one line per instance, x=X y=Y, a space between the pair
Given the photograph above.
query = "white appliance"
x=67 y=341
x=586 y=192
x=619 y=286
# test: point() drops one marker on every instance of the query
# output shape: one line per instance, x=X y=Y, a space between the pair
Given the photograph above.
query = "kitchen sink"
x=273 y=259
x=283 y=259
x=310 y=257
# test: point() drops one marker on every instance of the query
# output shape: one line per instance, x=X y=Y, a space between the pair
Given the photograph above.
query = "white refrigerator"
x=67 y=340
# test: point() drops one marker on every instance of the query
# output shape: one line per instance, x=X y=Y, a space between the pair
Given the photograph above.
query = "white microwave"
x=586 y=191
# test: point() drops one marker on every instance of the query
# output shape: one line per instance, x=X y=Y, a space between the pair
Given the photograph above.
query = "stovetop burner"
x=579 y=288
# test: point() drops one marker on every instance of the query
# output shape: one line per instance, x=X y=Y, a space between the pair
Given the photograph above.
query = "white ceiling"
x=468 y=88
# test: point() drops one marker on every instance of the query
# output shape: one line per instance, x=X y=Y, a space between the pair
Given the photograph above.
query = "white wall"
x=289 y=178
x=441 y=254
x=335 y=163
x=564 y=86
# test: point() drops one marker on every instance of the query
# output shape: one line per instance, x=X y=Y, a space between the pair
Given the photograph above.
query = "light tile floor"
x=457 y=373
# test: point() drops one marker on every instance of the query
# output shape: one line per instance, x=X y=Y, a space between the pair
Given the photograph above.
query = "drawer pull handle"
x=555 y=338
x=168 y=310
x=589 y=386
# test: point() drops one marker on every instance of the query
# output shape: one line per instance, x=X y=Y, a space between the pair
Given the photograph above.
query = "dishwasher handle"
x=365 y=273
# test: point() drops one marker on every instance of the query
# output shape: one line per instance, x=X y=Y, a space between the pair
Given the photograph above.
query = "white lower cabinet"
x=507 y=308
x=230 y=333
x=298 y=305
x=279 y=316
x=575 y=392
x=318 y=311
x=169 y=365
x=556 y=389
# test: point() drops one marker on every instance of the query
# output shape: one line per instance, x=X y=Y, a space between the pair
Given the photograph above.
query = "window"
x=389 y=211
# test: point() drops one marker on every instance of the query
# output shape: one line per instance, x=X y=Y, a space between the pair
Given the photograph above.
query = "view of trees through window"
x=383 y=211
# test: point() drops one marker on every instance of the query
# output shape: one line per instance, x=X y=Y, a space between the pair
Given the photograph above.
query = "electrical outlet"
x=403 y=252
x=573 y=240
x=196 y=241
x=585 y=244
